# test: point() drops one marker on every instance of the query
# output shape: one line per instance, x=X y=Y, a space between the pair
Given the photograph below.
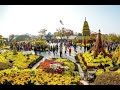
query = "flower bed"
x=88 y=60
x=116 y=55
x=101 y=64
x=57 y=65
x=20 y=61
x=35 y=77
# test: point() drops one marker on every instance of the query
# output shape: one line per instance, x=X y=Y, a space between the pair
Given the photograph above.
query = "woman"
x=69 y=51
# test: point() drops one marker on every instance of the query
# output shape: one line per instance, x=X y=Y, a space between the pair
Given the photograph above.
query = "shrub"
x=5 y=65
x=108 y=78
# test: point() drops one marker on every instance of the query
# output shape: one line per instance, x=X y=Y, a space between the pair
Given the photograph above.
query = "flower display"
x=57 y=65
x=20 y=61
x=88 y=60
x=36 y=77
x=99 y=72
x=116 y=55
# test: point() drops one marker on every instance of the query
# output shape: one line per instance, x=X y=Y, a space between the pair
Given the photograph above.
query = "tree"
x=60 y=32
x=104 y=38
x=55 y=34
x=6 y=41
x=79 y=34
x=42 y=32
x=68 y=33
x=113 y=38
x=22 y=37
x=11 y=37
x=1 y=41
x=49 y=36
x=118 y=38
x=93 y=36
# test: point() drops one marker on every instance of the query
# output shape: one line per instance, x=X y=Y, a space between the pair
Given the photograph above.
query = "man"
x=65 y=49
x=61 y=51
x=53 y=49
x=74 y=45
x=56 y=47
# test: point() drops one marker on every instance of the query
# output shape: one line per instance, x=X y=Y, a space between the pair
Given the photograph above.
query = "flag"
x=61 y=22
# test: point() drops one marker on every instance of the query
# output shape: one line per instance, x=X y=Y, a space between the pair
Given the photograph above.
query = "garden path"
x=73 y=53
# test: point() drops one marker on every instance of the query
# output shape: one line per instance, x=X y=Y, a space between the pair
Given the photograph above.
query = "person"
x=84 y=48
x=44 y=49
x=61 y=44
x=38 y=49
x=35 y=50
x=60 y=51
x=65 y=49
x=69 y=51
x=56 y=47
x=74 y=45
x=48 y=49
x=80 y=46
x=53 y=49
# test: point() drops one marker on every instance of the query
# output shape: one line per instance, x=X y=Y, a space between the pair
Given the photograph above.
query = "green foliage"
x=76 y=40
x=113 y=37
x=11 y=37
x=49 y=36
x=70 y=65
x=86 y=30
x=79 y=34
x=22 y=37
x=41 y=42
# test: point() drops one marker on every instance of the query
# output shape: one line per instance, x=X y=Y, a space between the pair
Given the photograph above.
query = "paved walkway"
x=51 y=55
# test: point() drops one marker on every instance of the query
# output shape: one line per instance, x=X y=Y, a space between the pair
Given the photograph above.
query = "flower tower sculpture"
x=86 y=30
x=98 y=47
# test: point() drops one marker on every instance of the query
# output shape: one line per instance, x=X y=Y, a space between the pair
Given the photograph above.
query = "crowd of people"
x=59 y=47
x=50 y=47
x=55 y=47
x=112 y=46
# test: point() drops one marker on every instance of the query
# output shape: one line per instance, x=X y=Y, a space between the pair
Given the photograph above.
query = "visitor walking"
x=69 y=51
x=74 y=45
x=56 y=47
x=65 y=49
x=35 y=50
x=61 y=51
x=54 y=50
x=48 y=49
x=38 y=48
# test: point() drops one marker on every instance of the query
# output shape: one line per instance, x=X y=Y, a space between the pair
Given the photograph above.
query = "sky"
x=21 y=19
